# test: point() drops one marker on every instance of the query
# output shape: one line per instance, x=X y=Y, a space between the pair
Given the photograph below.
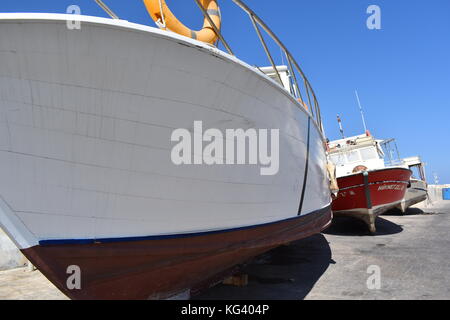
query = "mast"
x=361 y=110
x=340 y=126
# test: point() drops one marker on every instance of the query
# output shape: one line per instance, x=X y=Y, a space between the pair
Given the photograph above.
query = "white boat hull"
x=415 y=194
x=86 y=118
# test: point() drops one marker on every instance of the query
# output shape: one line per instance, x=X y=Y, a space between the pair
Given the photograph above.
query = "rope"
x=163 y=24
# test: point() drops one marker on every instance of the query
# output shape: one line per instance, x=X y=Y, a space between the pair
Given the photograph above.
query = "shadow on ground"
x=286 y=273
x=347 y=226
x=409 y=212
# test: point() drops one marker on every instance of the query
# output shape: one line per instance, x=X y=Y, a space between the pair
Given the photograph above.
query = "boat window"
x=353 y=156
x=369 y=153
x=337 y=159
x=415 y=172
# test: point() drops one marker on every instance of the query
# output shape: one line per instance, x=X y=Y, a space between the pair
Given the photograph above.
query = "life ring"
x=359 y=169
x=160 y=13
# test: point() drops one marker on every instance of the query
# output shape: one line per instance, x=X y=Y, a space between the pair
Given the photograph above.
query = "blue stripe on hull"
x=170 y=236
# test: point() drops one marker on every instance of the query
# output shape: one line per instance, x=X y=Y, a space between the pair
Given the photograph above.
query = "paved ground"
x=411 y=251
x=20 y=284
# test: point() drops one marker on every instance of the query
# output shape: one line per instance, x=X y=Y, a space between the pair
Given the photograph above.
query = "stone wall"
x=435 y=192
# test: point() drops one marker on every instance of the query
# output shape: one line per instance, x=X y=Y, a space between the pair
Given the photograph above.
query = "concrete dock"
x=410 y=251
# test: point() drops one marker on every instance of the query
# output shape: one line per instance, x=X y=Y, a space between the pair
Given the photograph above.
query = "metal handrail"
x=107 y=9
x=216 y=29
x=257 y=22
x=266 y=49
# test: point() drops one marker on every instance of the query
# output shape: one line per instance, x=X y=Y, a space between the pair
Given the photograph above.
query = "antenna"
x=340 y=126
x=106 y=9
x=361 y=110
x=436 y=178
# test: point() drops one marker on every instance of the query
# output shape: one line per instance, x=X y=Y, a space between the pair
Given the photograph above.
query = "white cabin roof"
x=351 y=143
x=413 y=161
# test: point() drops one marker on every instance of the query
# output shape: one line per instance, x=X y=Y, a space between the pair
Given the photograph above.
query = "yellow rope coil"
x=206 y=34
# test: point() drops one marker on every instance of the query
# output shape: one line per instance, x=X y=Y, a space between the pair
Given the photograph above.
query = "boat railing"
x=302 y=89
x=392 y=155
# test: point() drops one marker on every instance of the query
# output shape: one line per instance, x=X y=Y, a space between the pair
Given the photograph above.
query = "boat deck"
x=410 y=250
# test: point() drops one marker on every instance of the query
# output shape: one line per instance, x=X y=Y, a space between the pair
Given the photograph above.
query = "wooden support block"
x=240 y=280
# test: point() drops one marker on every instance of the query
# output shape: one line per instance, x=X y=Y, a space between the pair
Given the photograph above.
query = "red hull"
x=368 y=194
x=158 y=269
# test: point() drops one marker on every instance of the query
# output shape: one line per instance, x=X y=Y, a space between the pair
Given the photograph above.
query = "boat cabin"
x=417 y=167
x=355 y=154
x=286 y=78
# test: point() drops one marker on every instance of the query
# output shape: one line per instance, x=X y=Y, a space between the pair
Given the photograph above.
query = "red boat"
x=367 y=187
x=368 y=194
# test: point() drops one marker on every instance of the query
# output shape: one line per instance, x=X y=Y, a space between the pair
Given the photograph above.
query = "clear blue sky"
x=402 y=72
